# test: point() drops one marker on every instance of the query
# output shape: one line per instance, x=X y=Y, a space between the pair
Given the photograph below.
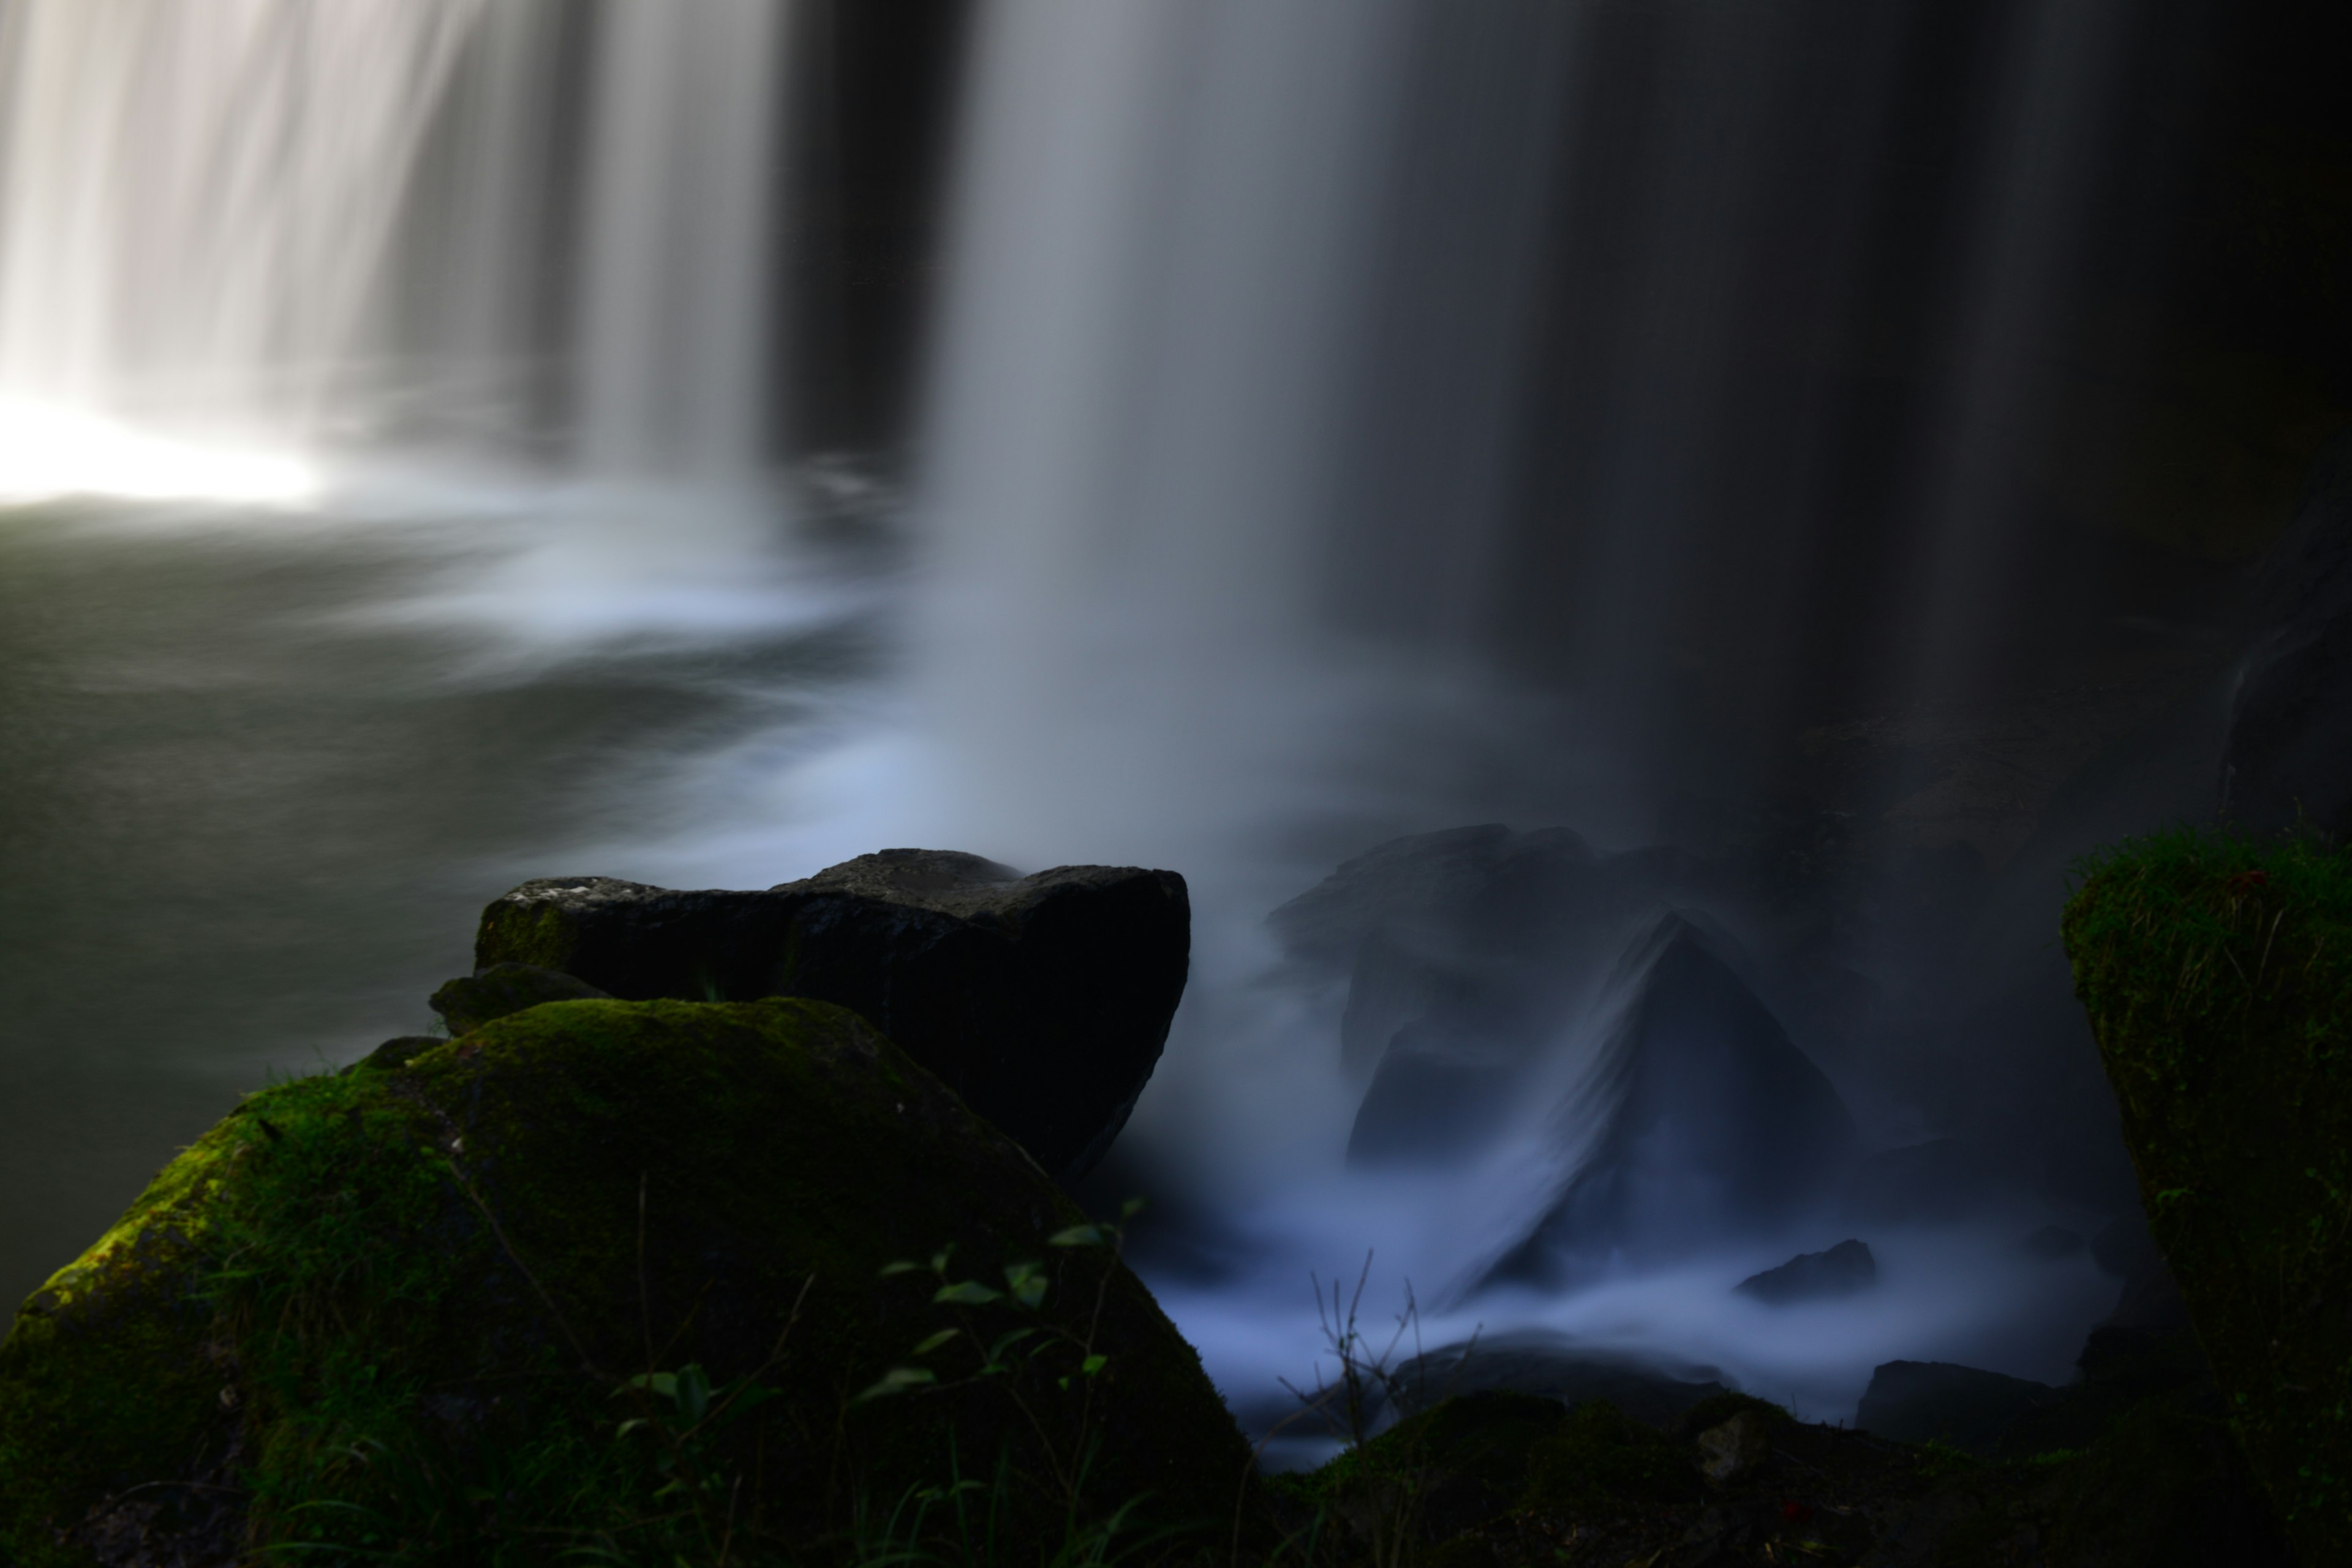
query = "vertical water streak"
x=675 y=304
x=200 y=201
x=2051 y=121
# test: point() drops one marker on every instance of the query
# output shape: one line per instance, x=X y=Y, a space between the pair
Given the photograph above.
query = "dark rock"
x=468 y=1002
x=2288 y=758
x=1478 y=920
x=1732 y=1449
x=2118 y=1370
x=1426 y=878
x=1442 y=1088
x=1656 y=1394
x=1842 y=1270
x=1043 y=1000
x=1712 y=1122
x=2053 y=1244
x=2150 y=1299
x=396 y=1053
x=467 y=1264
x=1934 y=1401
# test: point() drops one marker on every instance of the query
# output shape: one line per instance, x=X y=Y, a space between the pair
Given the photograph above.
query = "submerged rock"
x=419 y=1301
x=1842 y=1270
x=1043 y=1000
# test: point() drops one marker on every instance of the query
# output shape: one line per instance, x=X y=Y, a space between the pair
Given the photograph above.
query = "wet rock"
x=1657 y=1392
x=1043 y=1000
x=1474 y=927
x=460 y=1266
x=468 y=1002
x=1729 y=1451
x=1842 y=1270
x=1710 y=1122
x=1443 y=1087
x=1934 y=1401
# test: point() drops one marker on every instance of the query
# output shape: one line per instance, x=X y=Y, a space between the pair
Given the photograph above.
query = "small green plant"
x=1011 y=1335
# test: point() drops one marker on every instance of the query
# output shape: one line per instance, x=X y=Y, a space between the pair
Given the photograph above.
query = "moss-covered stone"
x=409 y=1311
x=1044 y=1000
x=2217 y=973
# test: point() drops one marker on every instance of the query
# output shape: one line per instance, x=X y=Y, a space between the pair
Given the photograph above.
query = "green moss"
x=1602 y=1455
x=2217 y=973
x=423 y=1287
x=537 y=933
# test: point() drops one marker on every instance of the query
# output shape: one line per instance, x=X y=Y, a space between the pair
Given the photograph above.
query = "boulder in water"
x=1842 y=1270
x=1709 y=1122
x=1043 y=1000
x=416 y=1302
x=1472 y=923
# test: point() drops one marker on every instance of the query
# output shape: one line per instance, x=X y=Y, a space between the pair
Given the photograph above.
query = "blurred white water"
x=1241 y=497
x=290 y=232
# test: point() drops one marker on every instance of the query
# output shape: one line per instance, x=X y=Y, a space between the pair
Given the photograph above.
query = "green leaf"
x=1130 y=1208
x=940 y=1259
x=662 y=1383
x=996 y=1352
x=693 y=1392
x=1027 y=1283
x=901 y=1266
x=968 y=1293
x=632 y=1425
x=749 y=1400
x=1093 y=1364
x=898 y=1379
x=1076 y=1236
x=936 y=1341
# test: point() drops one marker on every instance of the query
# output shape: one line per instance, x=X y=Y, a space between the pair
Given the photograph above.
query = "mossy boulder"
x=601 y=1276
x=2217 y=972
x=1043 y=1000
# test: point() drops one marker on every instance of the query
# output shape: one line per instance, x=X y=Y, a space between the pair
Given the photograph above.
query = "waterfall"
x=1357 y=417
x=1541 y=343
x=283 y=227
